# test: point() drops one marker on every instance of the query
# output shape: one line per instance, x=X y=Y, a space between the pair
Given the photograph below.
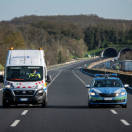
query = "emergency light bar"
x=99 y=75
x=106 y=75
x=11 y=48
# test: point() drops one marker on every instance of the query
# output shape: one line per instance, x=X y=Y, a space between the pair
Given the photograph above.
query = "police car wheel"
x=90 y=105
x=124 y=106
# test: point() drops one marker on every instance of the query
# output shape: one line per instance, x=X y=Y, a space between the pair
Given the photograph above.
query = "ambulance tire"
x=43 y=105
x=5 y=103
x=90 y=105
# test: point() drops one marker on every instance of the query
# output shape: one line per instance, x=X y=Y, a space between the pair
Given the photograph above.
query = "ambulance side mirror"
x=49 y=79
x=1 y=78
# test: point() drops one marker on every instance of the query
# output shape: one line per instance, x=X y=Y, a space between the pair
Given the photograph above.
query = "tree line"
x=63 y=37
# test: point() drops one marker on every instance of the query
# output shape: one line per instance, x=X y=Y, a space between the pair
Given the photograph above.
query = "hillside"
x=63 y=37
x=83 y=21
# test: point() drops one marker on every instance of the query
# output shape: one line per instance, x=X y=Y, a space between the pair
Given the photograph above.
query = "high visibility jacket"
x=36 y=75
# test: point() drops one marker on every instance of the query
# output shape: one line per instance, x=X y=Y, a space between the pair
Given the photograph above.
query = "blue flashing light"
x=106 y=75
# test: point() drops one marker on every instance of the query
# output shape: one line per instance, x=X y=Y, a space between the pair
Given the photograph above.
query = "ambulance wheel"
x=90 y=105
x=5 y=103
x=43 y=104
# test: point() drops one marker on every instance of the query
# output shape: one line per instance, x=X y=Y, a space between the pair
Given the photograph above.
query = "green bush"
x=1 y=68
x=95 y=52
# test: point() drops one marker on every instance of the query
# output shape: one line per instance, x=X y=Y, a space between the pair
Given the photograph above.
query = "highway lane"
x=67 y=109
x=9 y=116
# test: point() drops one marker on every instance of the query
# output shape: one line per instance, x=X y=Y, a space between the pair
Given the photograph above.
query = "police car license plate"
x=107 y=98
x=23 y=99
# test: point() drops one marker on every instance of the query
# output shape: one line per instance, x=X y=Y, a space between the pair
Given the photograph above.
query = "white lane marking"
x=54 y=78
x=15 y=123
x=125 y=122
x=113 y=111
x=24 y=112
x=78 y=78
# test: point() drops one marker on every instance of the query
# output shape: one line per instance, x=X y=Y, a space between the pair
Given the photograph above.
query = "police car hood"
x=108 y=90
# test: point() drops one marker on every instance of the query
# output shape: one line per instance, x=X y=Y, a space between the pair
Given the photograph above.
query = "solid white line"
x=15 y=123
x=125 y=122
x=78 y=78
x=113 y=111
x=54 y=78
x=24 y=112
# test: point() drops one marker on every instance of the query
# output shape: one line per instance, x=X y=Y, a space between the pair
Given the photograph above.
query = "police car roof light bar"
x=99 y=75
x=106 y=75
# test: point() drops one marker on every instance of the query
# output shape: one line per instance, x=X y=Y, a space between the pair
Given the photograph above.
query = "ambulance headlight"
x=40 y=91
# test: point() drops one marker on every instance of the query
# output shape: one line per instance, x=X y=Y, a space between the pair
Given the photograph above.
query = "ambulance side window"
x=44 y=73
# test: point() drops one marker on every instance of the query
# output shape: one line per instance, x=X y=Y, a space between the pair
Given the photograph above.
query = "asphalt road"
x=67 y=109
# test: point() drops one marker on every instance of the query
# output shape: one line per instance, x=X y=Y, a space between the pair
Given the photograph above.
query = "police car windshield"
x=108 y=83
x=24 y=73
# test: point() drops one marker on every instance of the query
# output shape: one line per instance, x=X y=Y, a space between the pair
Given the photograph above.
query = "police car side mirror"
x=126 y=85
x=88 y=86
x=1 y=78
x=48 y=79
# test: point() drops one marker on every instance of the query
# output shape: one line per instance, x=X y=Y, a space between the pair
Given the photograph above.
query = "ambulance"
x=25 y=78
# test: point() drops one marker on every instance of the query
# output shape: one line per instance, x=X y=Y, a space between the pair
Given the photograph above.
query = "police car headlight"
x=123 y=93
x=7 y=86
x=92 y=93
x=117 y=94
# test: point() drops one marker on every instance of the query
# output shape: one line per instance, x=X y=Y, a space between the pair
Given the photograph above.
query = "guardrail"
x=69 y=62
x=127 y=79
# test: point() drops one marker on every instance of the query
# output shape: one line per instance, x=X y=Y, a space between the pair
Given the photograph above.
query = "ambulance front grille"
x=24 y=92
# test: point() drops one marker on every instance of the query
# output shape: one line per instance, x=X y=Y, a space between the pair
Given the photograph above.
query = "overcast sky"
x=116 y=9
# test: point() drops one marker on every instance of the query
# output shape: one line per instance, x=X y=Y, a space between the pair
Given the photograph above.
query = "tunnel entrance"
x=125 y=54
x=110 y=52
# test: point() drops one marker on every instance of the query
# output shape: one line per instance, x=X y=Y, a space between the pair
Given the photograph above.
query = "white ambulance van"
x=25 y=78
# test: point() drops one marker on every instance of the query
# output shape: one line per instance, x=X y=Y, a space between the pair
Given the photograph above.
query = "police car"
x=107 y=89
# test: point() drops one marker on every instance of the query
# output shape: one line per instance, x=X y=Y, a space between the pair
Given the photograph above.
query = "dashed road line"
x=54 y=78
x=24 y=112
x=15 y=123
x=114 y=112
x=125 y=122
x=78 y=78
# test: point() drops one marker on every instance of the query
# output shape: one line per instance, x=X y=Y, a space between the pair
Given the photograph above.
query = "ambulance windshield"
x=24 y=73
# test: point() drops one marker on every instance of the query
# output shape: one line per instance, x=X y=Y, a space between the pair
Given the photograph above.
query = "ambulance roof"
x=25 y=58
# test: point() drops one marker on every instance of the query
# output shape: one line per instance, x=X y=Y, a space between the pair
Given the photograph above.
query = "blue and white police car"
x=107 y=89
